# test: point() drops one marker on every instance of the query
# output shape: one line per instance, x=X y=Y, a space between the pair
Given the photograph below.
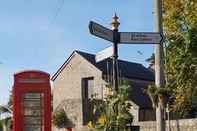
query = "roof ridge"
x=129 y=68
x=79 y=51
x=130 y=62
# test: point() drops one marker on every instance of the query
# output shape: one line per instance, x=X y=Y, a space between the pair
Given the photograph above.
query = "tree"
x=6 y=122
x=60 y=119
x=6 y=110
x=151 y=61
x=180 y=29
x=1 y=126
x=158 y=94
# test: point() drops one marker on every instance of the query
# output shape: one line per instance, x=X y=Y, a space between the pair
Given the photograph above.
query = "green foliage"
x=60 y=119
x=180 y=29
x=157 y=94
x=10 y=101
x=151 y=60
x=153 y=94
x=1 y=125
x=112 y=113
x=6 y=109
x=5 y=123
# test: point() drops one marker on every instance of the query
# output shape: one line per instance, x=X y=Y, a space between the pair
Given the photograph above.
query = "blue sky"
x=41 y=34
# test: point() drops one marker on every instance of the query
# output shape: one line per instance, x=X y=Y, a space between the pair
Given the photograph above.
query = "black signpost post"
x=116 y=40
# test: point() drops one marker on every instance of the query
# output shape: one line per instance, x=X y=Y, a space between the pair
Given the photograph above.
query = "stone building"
x=80 y=76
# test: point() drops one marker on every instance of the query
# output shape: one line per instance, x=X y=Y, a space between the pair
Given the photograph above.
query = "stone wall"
x=175 y=125
x=67 y=87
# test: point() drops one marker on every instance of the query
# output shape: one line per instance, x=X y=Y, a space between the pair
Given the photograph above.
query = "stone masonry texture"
x=67 y=88
x=175 y=125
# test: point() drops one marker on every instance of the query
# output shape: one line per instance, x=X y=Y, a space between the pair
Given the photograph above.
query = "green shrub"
x=112 y=112
x=60 y=119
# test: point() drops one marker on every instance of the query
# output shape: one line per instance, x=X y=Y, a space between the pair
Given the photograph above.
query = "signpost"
x=140 y=38
x=125 y=37
x=100 y=31
x=120 y=38
x=104 y=54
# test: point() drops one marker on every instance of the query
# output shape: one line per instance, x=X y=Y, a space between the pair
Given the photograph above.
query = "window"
x=33 y=111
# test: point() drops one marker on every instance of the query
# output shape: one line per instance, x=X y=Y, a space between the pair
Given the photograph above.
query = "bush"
x=60 y=119
x=112 y=113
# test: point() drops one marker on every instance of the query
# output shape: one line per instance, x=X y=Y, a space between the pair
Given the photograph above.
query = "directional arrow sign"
x=140 y=37
x=104 y=54
x=100 y=31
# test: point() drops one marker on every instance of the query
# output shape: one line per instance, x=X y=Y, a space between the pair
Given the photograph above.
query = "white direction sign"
x=100 y=31
x=104 y=54
x=140 y=38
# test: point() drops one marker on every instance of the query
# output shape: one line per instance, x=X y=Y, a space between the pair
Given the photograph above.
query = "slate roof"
x=138 y=95
x=127 y=69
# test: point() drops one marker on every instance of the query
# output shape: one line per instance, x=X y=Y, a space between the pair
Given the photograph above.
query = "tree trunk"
x=4 y=126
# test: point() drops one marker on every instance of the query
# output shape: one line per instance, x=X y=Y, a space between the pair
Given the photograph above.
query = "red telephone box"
x=31 y=101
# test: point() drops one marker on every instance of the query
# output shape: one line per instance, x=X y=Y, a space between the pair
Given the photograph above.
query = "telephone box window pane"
x=30 y=112
x=32 y=103
x=33 y=111
x=32 y=120
x=32 y=128
x=32 y=95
